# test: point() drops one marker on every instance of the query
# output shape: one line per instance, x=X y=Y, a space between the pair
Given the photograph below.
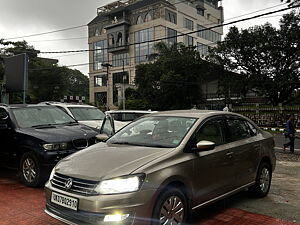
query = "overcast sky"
x=26 y=17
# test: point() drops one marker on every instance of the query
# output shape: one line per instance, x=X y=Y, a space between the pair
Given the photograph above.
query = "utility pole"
x=123 y=89
x=108 y=84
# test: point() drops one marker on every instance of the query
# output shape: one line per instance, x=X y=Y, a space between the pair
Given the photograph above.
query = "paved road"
x=280 y=140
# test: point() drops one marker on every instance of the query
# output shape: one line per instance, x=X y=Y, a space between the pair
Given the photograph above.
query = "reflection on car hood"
x=102 y=161
x=92 y=123
x=60 y=133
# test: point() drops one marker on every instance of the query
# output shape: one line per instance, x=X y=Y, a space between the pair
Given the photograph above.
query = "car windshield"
x=156 y=131
x=86 y=113
x=41 y=116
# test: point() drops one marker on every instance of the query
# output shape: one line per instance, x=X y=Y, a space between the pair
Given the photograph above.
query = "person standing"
x=290 y=126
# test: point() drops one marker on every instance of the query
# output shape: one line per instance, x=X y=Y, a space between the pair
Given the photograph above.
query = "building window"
x=139 y=20
x=200 y=11
x=111 y=40
x=120 y=78
x=148 y=17
x=100 y=81
x=171 y=16
x=189 y=24
x=143 y=50
x=119 y=40
x=208 y=34
x=98 y=31
x=100 y=54
x=118 y=59
x=172 y=36
x=189 y=40
x=202 y=49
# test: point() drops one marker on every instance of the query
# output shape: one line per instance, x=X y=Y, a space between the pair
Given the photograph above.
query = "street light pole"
x=123 y=90
x=107 y=65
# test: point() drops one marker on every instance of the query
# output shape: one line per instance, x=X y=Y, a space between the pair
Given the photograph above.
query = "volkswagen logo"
x=68 y=183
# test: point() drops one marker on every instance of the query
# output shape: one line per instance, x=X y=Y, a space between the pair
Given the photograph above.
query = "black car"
x=35 y=137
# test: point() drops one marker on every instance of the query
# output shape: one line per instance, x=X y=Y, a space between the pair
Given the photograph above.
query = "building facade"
x=123 y=34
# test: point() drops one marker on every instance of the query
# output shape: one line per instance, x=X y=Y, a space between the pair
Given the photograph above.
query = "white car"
x=123 y=117
x=84 y=114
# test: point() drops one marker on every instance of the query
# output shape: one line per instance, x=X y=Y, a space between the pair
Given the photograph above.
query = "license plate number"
x=65 y=201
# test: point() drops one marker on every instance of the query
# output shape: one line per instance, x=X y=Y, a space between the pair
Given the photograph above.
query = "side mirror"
x=108 y=126
x=205 y=145
x=102 y=137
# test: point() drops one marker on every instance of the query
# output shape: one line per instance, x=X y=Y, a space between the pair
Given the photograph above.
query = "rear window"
x=125 y=117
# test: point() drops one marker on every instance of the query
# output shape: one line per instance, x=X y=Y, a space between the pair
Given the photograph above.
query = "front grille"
x=80 y=143
x=79 y=186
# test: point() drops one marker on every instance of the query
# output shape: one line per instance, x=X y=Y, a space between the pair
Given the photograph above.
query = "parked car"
x=120 y=118
x=84 y=114
x=160 y=168
x=35 y=137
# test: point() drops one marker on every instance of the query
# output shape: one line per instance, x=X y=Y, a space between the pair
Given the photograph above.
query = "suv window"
x=211 y=131
x=239 y=129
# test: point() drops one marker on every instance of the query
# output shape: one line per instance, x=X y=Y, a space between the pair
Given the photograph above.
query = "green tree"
x=267 y=58
x=292 y=2
x=172 y=81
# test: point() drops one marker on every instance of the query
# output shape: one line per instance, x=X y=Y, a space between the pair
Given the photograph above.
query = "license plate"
x=65 y=201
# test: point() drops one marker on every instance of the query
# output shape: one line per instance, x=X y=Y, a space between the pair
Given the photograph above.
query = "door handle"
x=229 y=154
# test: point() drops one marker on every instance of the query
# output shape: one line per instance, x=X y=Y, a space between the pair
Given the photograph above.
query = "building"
x=121 y=35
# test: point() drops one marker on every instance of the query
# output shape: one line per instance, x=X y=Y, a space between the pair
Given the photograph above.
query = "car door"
x=213 y=169
x=108 y=126
x=7 y=142
x=245 y=146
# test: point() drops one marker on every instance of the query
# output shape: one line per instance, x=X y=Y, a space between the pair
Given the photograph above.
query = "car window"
x=239 y=129
x=158 y=131
x=107 y=127
x=86 y=113
x=211 y=131
x=252 y=128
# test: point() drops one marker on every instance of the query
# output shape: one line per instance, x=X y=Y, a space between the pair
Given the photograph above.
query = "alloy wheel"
x=172 y=211
x=264 y=180
x=29 y=170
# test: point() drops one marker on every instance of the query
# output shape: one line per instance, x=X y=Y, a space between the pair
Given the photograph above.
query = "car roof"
x=14 y=106
x=193 y=113
x=130 y=111
x=67 y=104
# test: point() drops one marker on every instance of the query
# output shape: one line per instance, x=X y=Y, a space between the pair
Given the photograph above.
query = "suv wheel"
x=171 y=208
x=263 y=181
x=30 y=170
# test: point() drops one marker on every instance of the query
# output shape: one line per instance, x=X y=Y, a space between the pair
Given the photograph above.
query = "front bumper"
x=93 y=209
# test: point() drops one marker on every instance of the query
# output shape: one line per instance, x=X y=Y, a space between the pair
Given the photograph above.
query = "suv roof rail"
x=3 y=104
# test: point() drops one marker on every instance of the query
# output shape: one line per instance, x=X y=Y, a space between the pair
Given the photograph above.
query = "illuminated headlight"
x=120 y=185
x=115 y=217
x=55 y=147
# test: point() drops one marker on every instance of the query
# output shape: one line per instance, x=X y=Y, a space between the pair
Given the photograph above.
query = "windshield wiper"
x=141 y=144
x=41 y=126
x=69 y=123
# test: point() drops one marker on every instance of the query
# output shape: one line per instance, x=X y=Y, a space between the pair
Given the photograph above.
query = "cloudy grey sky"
x=26 y=17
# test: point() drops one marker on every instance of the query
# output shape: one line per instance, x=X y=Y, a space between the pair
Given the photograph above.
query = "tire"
x=263 y=181
x=163 y=212
x=29 y=170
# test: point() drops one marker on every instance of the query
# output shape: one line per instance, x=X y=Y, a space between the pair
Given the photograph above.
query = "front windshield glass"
x=40 y=116
x=156 y=131
x=86 y=113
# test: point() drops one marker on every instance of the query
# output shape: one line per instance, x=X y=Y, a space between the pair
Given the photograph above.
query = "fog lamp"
x=115 y=217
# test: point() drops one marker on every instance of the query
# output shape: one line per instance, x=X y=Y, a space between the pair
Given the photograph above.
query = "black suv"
x=35 y=137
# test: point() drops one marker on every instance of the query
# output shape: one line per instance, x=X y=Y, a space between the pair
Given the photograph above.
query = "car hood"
x=92 y=123
x=60 y=133
x=102 y=161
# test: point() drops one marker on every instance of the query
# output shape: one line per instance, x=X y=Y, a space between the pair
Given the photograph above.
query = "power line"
x=178 y=35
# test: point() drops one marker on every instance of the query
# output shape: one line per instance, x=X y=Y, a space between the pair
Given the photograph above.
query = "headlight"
x=120 y=185
x=55 y=147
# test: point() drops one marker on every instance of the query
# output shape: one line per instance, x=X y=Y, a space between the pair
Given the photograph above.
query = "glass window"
x=98 y=31
x=118 y=60
x=41 y=116
x=171 y=16
x=200 y=11
x=148 y=17
x=189 y=40
x=100 y=81
x=86 y=113
x=189 y=24
x=118 y=78
x=139 y=20
x=100 y=54
x=238 y=129
x=203 y=49
x=172 y=36
x=154 y=131
x=143 y=50
x=211 y=131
